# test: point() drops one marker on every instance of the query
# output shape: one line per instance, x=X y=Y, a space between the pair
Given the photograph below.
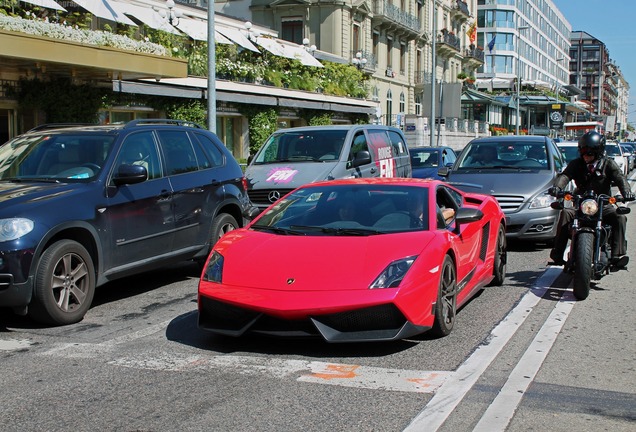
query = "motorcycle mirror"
x=557 y=205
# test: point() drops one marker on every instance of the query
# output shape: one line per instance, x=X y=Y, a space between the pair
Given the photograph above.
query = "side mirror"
x=249 y=159
x=465 y=215
x=130 y=174
x=362 y=157
x=252 y=212
x=557 y=205
x=444 y=171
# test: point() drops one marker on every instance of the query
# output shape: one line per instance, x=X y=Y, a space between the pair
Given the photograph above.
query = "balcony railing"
x=449 y=39
x=462 y=7
x=476 y=53
x=421 y=78
x=397 y=15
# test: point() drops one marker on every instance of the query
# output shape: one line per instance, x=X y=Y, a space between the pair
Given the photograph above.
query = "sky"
x=612 y=22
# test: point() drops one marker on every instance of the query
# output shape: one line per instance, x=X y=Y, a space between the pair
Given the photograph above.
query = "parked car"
x=570 y=149
x=629 y=151
x=614 y=151
x=82 y=206
x=296 y=156
x=371 y=260
x=425 y=161
x=517 y=171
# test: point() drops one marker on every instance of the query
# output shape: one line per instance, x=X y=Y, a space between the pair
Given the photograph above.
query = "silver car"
x=517 y=171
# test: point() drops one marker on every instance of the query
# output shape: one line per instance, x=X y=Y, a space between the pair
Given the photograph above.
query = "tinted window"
x=359 y=144
x=211 y=148
x=179 y=153
x=140 y=149
x=399 y=146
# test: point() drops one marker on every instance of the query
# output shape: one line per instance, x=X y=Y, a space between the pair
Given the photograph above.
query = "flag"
x=472 y=32
x=491 y=44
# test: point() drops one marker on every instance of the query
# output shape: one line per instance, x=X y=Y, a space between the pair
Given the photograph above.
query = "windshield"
x=354 y=210
x=54 y=157
x=424 y=158
x=306 y=146
x=570 y=152
x=504 y=155
x=612 y=150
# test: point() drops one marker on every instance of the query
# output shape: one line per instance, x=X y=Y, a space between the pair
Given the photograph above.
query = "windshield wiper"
x=338 y=231
x=31 y=179
x=277 y=230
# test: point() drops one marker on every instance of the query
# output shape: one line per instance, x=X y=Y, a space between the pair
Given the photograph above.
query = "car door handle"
x=164 y=195
x=215 y=182
x=372 y=170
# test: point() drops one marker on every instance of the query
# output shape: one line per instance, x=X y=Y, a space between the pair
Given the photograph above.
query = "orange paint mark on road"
x=424 y=382
x=337 y=371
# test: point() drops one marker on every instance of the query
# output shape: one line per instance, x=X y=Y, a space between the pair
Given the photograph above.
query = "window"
x=139 y=149
x=211 y=148
x=389 y=49
x=359 y=144
x=292 y=30
x=355 y=35
x=402 y=58
x=376 y=43
x=418 y=105
x=178 y=151
x=402 y=103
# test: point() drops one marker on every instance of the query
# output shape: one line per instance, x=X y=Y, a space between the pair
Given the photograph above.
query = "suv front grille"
x=261 y=196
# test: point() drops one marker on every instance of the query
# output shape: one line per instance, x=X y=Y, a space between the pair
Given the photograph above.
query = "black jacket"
x=600 y=181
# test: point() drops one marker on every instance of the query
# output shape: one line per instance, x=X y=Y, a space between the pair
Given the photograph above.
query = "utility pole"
x=211 y=70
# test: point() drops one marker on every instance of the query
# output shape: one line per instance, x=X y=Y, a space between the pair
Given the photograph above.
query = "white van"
x=297 y=156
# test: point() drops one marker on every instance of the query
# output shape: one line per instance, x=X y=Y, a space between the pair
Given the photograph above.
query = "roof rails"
x=47 y=126
x=134 y=123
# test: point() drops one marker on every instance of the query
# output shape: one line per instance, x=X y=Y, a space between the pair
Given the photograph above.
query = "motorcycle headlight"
x=589 y=207
x=542 y=201
x=214 y=269
x=393 y=274
x=14 y=228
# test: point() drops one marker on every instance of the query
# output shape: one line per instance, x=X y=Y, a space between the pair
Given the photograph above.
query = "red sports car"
x=355 y=260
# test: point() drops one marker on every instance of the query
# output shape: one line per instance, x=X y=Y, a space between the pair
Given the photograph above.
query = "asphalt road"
x=524 y=356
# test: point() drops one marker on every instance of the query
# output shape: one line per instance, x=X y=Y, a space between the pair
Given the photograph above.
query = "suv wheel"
x=64 y=284
x=223 y=223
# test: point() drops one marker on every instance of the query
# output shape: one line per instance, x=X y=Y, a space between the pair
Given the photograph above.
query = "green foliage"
x=60 y=99
x=316 y=117
x=188 y=109
x=261 y=124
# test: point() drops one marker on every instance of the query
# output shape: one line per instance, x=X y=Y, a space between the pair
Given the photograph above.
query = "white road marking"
x=346 y=375
x=459 y=383
x=502 y=409
x=14 y=344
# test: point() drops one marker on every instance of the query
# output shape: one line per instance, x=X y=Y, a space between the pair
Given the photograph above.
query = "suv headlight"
x=392 y=275
x=542 y=201
x=14 y=228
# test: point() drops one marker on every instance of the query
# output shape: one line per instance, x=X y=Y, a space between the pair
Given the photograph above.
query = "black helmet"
x=592 y=143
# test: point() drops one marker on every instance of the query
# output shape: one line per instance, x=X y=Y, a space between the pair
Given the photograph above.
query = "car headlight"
x=14 y=228
x=542 y=201
x=214 y=269
x=393 y=274
x=589 y=207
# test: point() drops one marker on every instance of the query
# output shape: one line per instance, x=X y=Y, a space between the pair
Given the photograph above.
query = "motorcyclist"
x=593 y=171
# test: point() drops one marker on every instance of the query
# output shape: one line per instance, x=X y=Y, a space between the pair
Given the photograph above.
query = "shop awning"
x=198 y=30
x=228 y=91
x=148 y=16
x=49 y=4
x=236 y=36
x=105 y=9
x=282 y=49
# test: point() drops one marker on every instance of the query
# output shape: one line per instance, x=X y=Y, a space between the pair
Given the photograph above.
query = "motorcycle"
x=590 y=246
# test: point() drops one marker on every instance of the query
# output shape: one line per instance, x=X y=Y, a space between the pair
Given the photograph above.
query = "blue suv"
x=82 y=206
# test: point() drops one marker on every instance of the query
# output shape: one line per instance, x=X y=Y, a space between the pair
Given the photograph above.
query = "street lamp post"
x=517 y=120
